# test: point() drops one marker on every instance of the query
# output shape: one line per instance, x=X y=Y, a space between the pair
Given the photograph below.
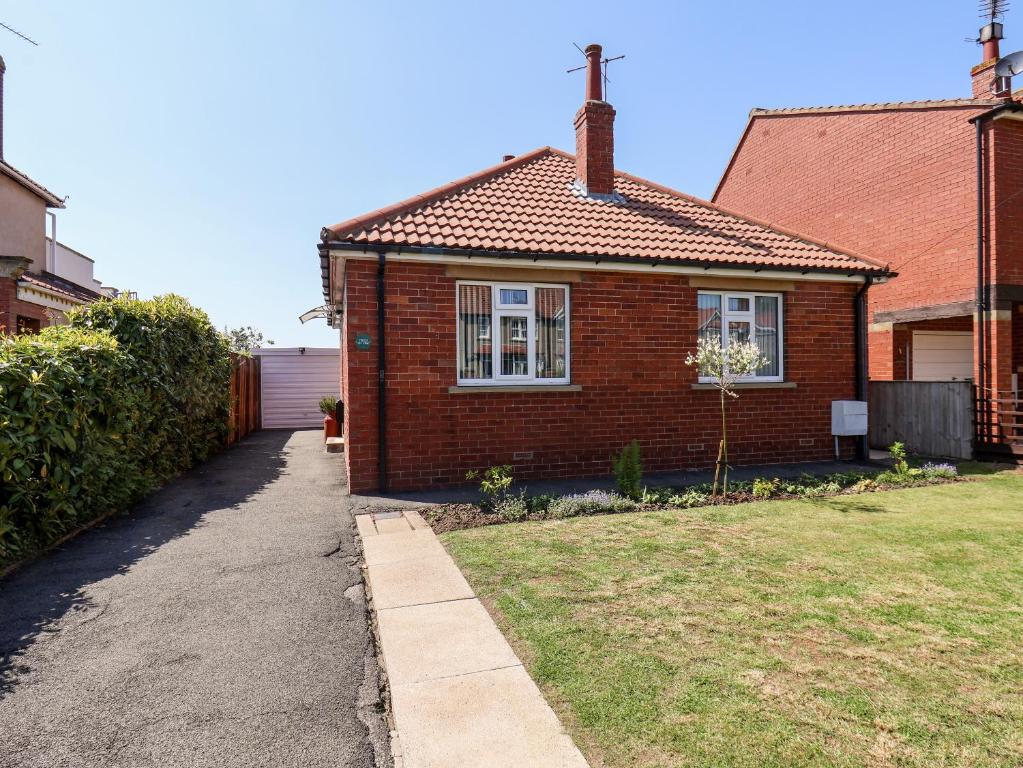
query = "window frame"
x=748 y=316
x=499 y=310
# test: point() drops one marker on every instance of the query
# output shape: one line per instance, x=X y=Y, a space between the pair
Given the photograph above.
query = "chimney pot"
x=594 y=84
x=594 y=133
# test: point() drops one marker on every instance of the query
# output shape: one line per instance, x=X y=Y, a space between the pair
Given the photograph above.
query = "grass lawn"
x=871 y=630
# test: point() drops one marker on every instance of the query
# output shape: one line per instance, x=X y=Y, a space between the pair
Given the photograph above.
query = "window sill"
x=753 y=385
x=482 y=388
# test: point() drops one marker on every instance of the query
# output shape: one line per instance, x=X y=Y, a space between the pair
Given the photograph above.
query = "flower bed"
x=507 y=507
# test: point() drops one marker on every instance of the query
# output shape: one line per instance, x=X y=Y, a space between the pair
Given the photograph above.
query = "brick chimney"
x=594 y=133
x=3 y=68
x=985 y=84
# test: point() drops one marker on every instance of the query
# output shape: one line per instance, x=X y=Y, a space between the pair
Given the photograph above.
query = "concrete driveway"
x=220 y=623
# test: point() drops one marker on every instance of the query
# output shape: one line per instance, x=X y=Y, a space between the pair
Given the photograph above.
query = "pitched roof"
x=52 y=201
x=888 y=106
x=52 y=282
x=529 y=205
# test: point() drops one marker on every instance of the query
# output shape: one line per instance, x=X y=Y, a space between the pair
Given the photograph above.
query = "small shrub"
x=590 y=503
x=940 y=471
x=328 y=405
x=764 y=488
x=898 y=452
x=864 y=485
x=628 y=469
x=512 y=508
x=690 y=497
x=539 y=504
x=657 y=495
x=495 y=483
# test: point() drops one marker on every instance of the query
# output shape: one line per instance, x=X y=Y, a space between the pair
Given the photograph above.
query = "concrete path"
x=221 y=623
x=459 y=695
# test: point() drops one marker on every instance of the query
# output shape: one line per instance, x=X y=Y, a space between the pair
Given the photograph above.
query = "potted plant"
x=330 y=426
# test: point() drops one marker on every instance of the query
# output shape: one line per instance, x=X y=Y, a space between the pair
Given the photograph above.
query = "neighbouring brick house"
x=39 y=276
x=539 y=313
x=899 y=182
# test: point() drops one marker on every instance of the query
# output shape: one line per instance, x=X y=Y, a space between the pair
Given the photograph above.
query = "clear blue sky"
x=204 y=144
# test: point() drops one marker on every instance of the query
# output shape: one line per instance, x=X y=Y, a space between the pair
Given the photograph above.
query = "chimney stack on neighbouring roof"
x=3 y=68
x=594 y=133
x=985 y=84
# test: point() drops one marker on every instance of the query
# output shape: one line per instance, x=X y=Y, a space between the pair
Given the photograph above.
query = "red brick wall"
x=11 y=307
x=629 y=337
x=594 y=146
x=1006 y=201
x=899 y=186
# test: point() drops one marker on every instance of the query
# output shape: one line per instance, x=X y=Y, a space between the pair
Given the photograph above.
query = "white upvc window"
x=732 y=316
x=512 y=333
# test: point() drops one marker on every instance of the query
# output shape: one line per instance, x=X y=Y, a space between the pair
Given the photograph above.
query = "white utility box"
x=848 y=417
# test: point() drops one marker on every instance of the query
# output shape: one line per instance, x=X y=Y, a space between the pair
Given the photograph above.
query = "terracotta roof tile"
x=528 y=205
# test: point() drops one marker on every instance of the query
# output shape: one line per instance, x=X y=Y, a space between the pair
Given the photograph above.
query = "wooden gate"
x=932 y=418
x=245 y=397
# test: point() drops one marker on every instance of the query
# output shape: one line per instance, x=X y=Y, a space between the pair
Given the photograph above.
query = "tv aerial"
x=603 y=66
x=13 y=31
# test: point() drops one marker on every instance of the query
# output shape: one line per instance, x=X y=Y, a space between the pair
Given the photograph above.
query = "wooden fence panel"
x=245 y=397
x=933 y=418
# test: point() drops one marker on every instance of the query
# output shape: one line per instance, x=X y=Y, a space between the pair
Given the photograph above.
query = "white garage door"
x=942 y=356
x=293 y=381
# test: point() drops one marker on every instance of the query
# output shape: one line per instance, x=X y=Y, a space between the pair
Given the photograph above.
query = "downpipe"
x=382 y=374
x=862 y=351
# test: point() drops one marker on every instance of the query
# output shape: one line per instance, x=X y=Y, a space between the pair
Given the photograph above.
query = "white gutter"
x=598 y=265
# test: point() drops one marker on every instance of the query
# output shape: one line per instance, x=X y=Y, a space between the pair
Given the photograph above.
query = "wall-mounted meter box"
x=848 y=417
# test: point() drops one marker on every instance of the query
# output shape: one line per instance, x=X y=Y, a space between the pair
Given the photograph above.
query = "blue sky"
x=204 y=144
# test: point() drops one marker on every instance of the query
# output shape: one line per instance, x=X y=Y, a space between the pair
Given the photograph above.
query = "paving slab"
x=416 y=582
x=496 y=719
x=392 y=524
x=395 y=547
x=427 y=642
x=365 y=525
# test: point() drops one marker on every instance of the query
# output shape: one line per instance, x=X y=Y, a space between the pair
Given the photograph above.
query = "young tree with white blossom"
x=725 y=366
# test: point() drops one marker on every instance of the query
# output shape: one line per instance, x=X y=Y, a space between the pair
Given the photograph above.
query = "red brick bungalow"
x=538 y=314
x=935 y=188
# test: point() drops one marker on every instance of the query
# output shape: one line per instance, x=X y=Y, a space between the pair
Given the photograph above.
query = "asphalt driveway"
x=220 y=623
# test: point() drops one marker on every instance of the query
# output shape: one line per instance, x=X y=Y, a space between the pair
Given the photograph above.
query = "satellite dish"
x=1009 y=66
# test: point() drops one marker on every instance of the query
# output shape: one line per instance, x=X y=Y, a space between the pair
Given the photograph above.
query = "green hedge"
x=97 y=413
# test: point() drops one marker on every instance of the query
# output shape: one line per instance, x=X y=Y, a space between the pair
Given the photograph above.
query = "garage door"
x=293 y=381
x=942 y=356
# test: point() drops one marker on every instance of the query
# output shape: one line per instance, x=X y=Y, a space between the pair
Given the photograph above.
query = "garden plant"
x=96 y=413
x=725 y=366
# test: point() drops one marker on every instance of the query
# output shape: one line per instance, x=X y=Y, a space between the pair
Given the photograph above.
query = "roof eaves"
x=32 y=186
x=890 y=106
x=381 y=214
x=862 y=268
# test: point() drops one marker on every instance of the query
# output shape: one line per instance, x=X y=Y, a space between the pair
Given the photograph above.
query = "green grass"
x=882 y=629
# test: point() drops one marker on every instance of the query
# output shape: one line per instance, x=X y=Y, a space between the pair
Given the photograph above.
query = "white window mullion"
x=512 y=314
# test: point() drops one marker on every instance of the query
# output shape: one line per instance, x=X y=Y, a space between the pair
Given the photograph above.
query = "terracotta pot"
x=330 y=428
